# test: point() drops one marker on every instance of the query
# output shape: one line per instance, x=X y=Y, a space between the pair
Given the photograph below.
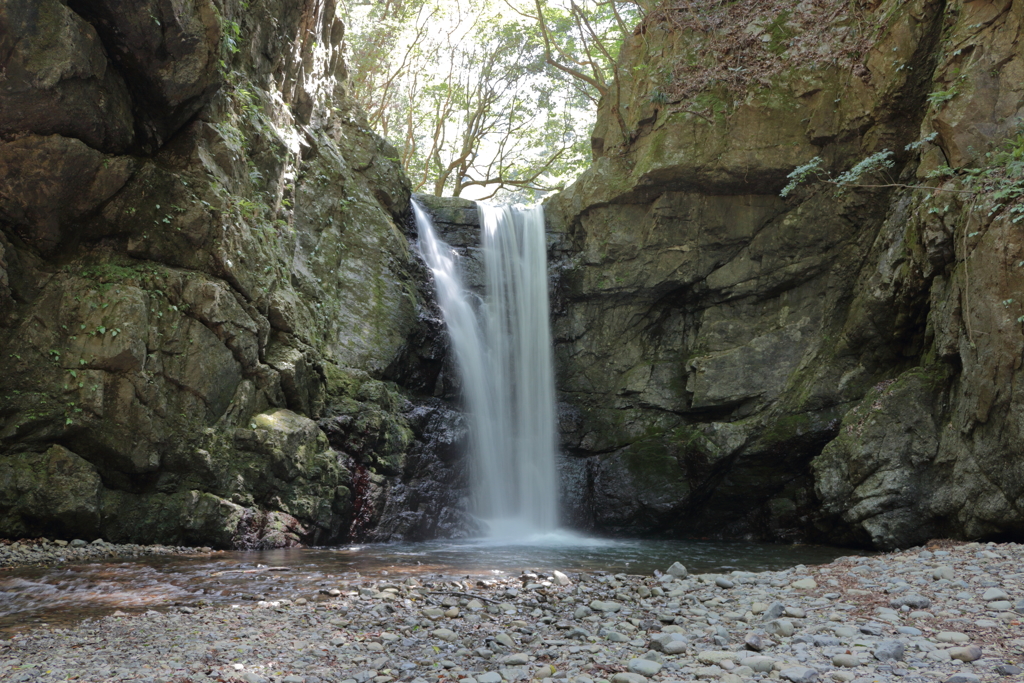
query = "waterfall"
x=502 y=348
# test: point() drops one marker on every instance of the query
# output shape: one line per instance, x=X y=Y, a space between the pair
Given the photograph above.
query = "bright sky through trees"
x=485 y=98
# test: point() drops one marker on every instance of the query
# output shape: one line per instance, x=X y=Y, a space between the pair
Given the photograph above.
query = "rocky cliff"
x=837 y=365
x=204 y=278
x=214 y=329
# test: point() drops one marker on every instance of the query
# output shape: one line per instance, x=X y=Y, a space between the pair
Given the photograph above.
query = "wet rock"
x=677 y=570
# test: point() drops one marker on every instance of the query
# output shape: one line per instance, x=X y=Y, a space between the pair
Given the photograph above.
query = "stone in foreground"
x=799 y=674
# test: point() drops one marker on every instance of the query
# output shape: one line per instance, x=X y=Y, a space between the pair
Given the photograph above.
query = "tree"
x=583 y=42
x=473 y=98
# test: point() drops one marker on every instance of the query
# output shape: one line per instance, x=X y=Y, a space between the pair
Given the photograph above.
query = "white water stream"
x=503 y=351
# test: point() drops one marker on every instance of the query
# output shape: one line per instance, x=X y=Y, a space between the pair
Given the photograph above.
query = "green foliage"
x=232 y=33
x=471 y=93
x=801 y=174
x=1002 y=179
x=879 y=161
x=942 y=96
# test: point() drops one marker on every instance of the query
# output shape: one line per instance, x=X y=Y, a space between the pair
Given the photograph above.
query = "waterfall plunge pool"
x=61 y=596
x=502 y=347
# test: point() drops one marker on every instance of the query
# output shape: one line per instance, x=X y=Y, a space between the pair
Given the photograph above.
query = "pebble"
x=585 y=629
x=677 y=570
x=758 y=664
x=963 y=677
x=644 y=667
x=994 y=594
x=628 y=677
x=912 y=600
x=970 y=653
x=43 y=552
x=890 y=649
x=446 y=635
x=799 y=674
x=505 y=639
x=845 y=660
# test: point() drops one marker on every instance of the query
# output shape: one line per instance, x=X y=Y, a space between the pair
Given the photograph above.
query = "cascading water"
x=503 y=351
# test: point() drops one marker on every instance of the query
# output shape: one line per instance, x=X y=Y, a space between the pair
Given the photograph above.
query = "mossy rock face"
x=876 y=475
x=53 y=490
x=58 y=81
x=638 y=486
x=171 y=316
x=363 y=420
x=693 y=297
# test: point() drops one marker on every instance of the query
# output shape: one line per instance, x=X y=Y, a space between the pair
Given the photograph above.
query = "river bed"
x=64 y=595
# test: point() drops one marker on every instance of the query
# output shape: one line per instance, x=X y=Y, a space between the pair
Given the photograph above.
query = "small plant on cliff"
x=812 y=170
x=996 y=185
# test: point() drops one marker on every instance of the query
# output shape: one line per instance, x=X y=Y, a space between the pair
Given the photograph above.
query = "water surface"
x=61 y=596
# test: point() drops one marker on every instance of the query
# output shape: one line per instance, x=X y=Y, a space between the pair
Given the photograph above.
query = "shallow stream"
x=61 y=596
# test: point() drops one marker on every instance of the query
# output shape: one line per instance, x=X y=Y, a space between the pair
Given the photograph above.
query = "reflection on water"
x=64 y=595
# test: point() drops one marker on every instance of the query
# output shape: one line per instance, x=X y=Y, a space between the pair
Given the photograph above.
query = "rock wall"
x=204 y=279
x=833 y=365
x=214 y=328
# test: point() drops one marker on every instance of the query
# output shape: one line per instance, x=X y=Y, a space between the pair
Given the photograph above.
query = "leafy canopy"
x=485 y=94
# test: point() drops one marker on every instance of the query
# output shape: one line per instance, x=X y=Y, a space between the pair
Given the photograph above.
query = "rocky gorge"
x=215 y=330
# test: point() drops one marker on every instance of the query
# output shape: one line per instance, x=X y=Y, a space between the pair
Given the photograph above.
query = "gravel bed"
x=948 y=614
x=43 y=552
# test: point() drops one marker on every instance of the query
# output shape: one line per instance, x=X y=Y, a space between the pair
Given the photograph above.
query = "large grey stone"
x=890 y=649
x=799 y=674
x=911 y=600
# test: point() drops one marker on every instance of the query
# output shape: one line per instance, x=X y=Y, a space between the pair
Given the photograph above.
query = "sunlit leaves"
x=467 y=93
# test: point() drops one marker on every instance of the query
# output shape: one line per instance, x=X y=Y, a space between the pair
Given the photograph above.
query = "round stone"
x=759 y=663
x=970 y=653
x=845 y=660
x=644 y=667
